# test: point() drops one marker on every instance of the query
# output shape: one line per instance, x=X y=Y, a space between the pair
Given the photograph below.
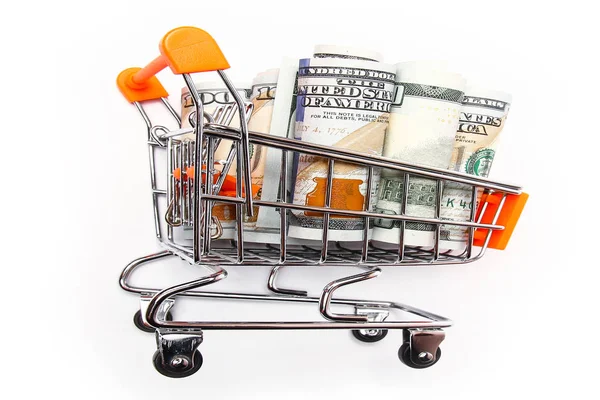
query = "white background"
x=77 y=208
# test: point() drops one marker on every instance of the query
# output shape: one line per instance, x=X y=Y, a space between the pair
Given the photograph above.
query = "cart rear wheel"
x=179 y=367
x=139 y=323
x=404 y=355
x=370 y=335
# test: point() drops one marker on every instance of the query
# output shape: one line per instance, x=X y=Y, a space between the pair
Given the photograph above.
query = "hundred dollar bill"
x=482 y=118
x=422 y=127
x=264 y=92
x=213 y=95
x=343 y=102
x=282 y=125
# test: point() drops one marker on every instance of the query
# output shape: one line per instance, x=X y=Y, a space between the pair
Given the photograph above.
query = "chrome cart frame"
x=190 y=203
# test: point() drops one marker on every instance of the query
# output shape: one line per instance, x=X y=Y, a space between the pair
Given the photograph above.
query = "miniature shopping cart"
x=194 y=186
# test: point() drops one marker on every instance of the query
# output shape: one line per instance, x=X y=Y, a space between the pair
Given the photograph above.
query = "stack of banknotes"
x=416 y=112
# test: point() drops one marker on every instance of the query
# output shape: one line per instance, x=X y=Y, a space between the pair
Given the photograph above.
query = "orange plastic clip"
x=229 y=183
x=177 y=174
x=185 y=50
x=509 y=215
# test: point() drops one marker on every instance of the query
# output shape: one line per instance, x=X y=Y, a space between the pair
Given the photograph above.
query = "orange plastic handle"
x=185 y=50
x=509 y=215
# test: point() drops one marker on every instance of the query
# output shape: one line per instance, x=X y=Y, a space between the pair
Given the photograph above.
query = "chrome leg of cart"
x=178 y=354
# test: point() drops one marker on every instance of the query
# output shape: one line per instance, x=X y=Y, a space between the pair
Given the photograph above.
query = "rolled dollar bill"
x=343 y=102
x=282 y=125
x=264 y=88
x=422 y=128
x=214 y=95
x=482 y=118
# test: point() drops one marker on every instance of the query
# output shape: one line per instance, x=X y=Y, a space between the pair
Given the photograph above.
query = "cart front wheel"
x=180 y=366
x=423 y=360
x=139 y=323
x=369 y=335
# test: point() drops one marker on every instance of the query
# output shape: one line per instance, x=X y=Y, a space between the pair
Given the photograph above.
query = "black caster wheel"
x=139 y=323
x=404 y=355
x=180 y=366
x=364 y=336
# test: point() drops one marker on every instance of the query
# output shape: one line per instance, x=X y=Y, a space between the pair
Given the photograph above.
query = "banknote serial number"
x=457 y=203
x=419 y=194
